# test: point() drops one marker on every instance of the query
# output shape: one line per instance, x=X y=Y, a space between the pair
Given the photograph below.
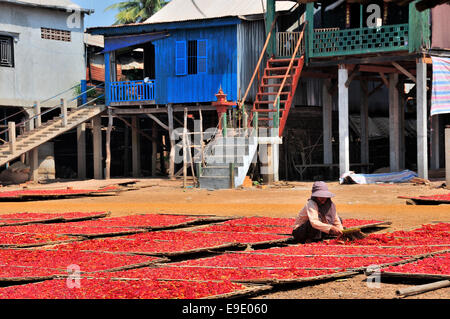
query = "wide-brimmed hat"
x=320 y=189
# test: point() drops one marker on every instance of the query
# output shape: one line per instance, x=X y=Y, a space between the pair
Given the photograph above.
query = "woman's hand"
x=335 y=231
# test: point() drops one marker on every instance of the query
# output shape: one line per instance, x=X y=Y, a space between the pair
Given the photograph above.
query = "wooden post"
x=81 y=150
x=394 y=124
x=434 y=141
x=447 y=156
x=108 y=145
x=135 y=147
x=154 y=147
x=270 y=18
x=34 y=164
x=327 y=123
x=37 y=113
x=172 y=142
x=245 y=122
x=185 y=149
x=364 y=120
x=163 y=154
x=126 y=153
x=64 y=112
x=97 y=145
x=12 y=137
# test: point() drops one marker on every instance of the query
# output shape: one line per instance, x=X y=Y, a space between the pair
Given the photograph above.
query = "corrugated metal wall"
x=221 y=67
x=251 y=36
x=440 y=24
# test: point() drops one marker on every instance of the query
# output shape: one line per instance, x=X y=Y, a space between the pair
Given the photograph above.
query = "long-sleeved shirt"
x=311 y=212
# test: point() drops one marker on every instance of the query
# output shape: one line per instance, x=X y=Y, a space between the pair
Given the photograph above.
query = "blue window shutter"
x=181 y=59
x=202 y=56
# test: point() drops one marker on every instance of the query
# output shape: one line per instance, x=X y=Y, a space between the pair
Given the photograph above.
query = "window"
x=6 y=51
x=191 y=57
x=54 y=34
x=180 y=52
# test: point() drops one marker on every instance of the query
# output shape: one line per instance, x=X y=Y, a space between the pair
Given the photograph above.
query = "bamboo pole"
x=185 y=149
x=172 y=142
x=422 y=288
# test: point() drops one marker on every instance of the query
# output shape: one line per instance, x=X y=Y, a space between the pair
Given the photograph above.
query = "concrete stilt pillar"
x=422 y=147
x=364 y=122
x=34 y=164
x=435 y=139
x=402 y=159
x=81 y=150
x=135 y=147
x=276 y=162
x=327 y=120
x=97 y=146
x=344 y=143
x=394 y=124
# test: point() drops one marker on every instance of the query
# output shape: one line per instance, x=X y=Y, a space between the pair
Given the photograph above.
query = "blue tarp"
x=116 y=43
x=394 y=177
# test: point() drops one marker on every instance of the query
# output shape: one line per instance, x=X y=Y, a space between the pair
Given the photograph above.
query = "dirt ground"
x=377 y=201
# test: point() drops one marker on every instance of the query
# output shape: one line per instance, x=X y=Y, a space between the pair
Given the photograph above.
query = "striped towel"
x=440 y=98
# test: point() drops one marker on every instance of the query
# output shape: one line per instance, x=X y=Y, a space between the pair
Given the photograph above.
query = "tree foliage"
x=134 y=11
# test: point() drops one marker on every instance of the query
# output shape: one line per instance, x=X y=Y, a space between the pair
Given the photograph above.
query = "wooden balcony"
x=131 y=92
x=338 y=42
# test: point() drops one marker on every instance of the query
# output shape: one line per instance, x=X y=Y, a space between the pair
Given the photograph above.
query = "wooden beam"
x=379 y=86
x=378 y=68
x=383 y=77
x=139 y=131
x=404 y=71
x=364 y=60
x=318 y=75
x=154 y=118
x=352 y=75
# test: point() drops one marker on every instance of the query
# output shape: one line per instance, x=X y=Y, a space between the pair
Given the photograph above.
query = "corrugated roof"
x=52 y=4
x=94 y=40
x=186 y=10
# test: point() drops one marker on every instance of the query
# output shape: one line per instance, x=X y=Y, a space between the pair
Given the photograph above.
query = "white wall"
x=42 y=68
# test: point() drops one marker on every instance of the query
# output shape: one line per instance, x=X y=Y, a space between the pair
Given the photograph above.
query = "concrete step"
x=225 y=160
x=223 y=171
x=239 y=149
x=214 y=182
x=235 y=141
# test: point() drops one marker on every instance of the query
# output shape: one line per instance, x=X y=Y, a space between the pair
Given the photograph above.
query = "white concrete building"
x=42 y=50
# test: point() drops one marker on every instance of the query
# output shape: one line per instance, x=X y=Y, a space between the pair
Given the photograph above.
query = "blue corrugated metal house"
x=191 y=49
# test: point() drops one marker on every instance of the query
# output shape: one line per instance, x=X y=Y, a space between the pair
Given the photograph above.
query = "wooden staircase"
x=280 y=78
x=47 y=131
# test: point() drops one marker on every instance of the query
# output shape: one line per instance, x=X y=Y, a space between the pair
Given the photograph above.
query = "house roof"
x=50 y=4
x=421 y=5
x=188 y=10
x=94 y=40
